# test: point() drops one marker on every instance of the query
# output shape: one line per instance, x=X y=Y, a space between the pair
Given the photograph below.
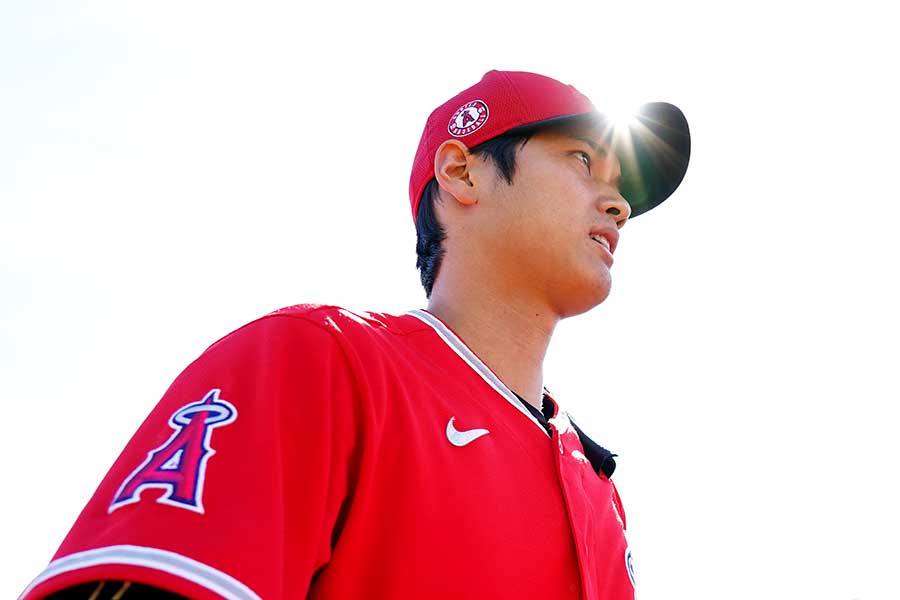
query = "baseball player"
x=318 y=453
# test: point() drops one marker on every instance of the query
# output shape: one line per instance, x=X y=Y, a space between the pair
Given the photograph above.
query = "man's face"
x=554 y=229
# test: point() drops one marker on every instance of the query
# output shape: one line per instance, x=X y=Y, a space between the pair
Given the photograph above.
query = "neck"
x=509 y=334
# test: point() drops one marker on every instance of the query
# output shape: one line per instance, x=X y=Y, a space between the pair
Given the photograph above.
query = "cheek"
x=563 y=209
x=546 y=208
x=548 y=195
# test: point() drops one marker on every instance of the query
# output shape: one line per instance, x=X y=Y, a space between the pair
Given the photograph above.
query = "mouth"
x=601 y=239
x=608 y=237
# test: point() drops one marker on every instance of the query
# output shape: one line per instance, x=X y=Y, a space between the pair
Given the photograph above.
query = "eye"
x=585 y=158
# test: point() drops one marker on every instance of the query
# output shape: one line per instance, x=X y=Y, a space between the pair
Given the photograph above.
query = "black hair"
x=430 y=234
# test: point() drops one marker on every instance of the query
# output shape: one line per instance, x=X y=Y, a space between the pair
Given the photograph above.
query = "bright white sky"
x=171 y=170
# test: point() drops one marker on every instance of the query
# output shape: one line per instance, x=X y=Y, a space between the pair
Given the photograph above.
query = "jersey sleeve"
x=233 y=487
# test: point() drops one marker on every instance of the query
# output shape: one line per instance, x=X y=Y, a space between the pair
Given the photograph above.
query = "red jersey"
x=317 y=453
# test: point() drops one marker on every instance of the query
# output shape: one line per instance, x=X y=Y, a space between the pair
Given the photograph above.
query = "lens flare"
x=621 y=115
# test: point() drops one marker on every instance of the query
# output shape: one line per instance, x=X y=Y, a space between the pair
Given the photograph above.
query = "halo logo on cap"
x=468 y=118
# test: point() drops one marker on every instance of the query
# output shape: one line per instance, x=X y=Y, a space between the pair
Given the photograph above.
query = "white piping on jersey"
x=152 y=558
x=458 y=346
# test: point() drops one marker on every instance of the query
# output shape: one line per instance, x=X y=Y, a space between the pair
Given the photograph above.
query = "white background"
x=171 y=170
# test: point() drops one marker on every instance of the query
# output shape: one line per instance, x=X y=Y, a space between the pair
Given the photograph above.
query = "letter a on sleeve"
x=232 y=486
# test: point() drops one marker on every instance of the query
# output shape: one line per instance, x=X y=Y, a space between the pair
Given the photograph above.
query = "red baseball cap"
x=653 y=148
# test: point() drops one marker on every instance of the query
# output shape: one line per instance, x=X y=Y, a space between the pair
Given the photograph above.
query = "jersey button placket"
x=569 y=472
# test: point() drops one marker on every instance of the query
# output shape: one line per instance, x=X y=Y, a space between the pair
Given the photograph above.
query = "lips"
x=608 y=237
x=601 y=239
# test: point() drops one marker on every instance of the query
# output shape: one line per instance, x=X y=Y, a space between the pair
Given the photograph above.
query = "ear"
x=453 y=169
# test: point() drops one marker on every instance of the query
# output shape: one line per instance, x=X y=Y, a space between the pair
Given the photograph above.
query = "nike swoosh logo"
x=463 y=438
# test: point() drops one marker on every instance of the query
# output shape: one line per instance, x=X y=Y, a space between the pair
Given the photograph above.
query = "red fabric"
x=513 y=98
x=336 y=479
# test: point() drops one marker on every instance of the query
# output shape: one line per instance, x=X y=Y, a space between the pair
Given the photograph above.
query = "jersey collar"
x=464 y=352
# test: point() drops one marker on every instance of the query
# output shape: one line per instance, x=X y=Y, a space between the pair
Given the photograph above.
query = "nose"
x=617 y=207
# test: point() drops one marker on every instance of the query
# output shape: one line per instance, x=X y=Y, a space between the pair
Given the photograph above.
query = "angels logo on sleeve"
x=179 y=465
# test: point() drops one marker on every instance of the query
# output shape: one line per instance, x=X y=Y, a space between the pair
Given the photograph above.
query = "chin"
x=581 y=300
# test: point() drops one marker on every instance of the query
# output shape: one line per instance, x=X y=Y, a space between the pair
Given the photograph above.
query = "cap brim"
x=654 y=154
x=654 y=149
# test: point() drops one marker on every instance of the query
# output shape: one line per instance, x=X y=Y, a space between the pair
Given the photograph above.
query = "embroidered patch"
x=468 y=118
x=629 y=566
x=179 y=465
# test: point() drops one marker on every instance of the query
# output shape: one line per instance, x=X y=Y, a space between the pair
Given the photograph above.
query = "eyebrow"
x=602 y=152
x=599 y=150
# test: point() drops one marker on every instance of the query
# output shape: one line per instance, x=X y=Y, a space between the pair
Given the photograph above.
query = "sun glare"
x=621 y=113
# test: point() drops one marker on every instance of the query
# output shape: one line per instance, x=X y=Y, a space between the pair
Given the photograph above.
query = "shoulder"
x=312 y=331
x=342 y=320
x=338 y=323
x=301 y=325
x=275 y=359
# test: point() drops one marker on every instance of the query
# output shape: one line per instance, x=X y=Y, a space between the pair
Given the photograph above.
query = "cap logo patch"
x=468 y=118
